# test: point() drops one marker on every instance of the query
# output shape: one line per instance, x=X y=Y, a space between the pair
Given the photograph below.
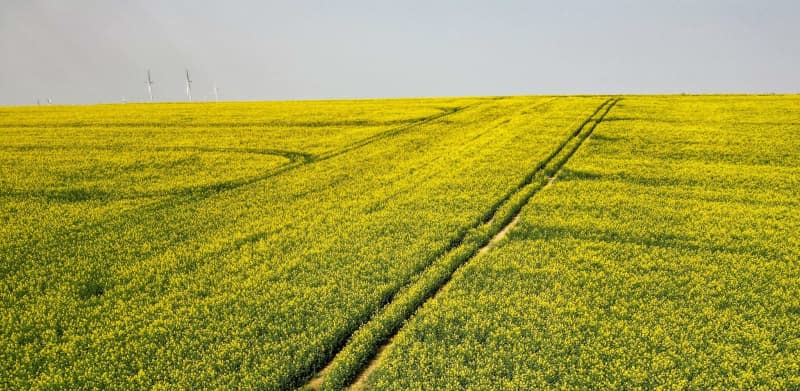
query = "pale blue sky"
x=83 y=51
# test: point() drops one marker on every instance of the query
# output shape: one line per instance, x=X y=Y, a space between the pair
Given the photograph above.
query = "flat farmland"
x=445 y=243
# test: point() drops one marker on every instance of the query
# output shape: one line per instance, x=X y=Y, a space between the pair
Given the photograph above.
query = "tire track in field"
x=196 y=194
x=367 y=346
x=292 y=157
x=296 y=159
x=306 y=159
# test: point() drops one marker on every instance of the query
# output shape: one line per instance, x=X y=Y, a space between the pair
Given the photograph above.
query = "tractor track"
x=366 y=346
x=296 y=159
x=198 y=193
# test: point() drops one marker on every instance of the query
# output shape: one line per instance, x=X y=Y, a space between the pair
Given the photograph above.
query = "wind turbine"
x=149 y=83
x=188 y=86
x=216 y=93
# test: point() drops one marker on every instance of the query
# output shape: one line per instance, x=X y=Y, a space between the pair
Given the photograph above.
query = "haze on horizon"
x=98 y=51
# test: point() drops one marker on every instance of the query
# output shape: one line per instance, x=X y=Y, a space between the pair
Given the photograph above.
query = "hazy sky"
x=82 y=51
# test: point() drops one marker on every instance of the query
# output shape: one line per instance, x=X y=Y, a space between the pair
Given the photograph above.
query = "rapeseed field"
x=449 y=243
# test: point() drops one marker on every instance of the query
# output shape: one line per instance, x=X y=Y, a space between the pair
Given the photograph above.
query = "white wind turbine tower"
x=216 y=93
x=149 y=84
x=188 y=86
